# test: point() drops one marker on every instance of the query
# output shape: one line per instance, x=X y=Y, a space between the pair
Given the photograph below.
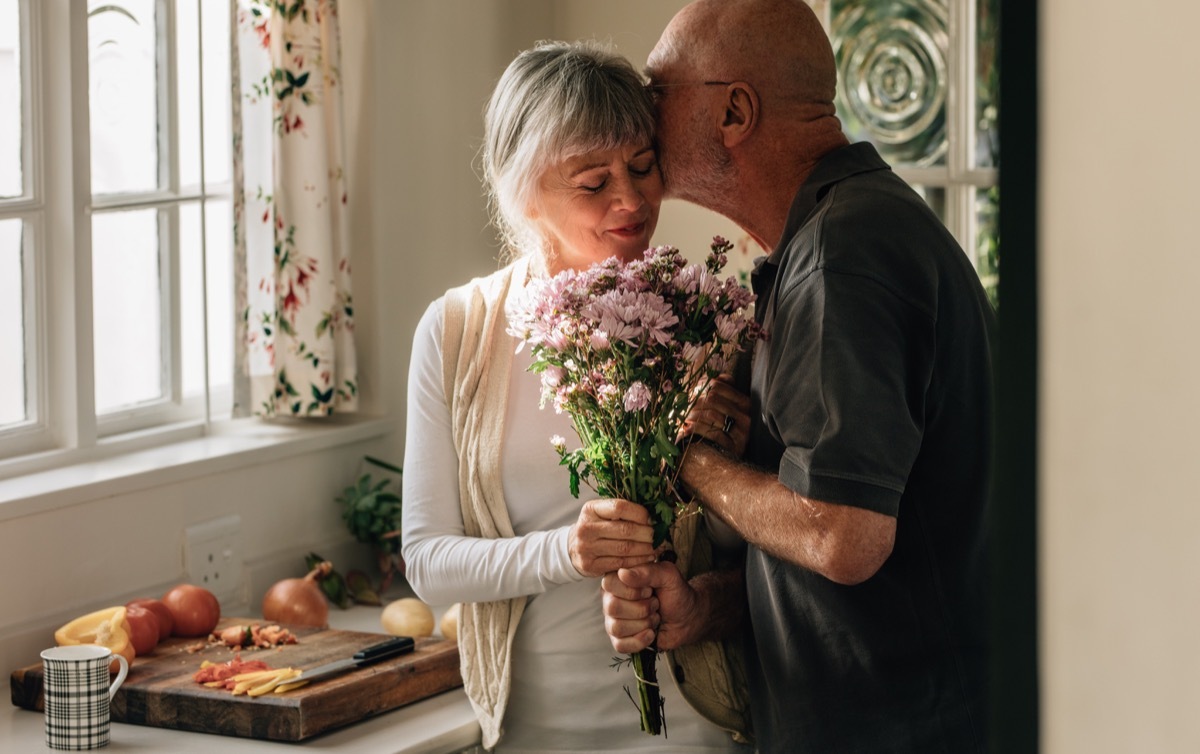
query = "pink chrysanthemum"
x=625 y=350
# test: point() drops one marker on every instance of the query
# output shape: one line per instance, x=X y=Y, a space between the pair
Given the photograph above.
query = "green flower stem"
x=648 y=699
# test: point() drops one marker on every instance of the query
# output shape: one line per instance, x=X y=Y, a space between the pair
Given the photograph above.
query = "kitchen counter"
x=441 y=723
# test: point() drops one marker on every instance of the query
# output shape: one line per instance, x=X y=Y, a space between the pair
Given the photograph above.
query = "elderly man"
x=863 y=489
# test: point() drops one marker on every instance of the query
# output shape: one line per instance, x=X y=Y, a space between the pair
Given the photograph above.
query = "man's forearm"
x=843 y=543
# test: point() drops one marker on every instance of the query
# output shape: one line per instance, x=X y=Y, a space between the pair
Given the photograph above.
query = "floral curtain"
x=295 y=313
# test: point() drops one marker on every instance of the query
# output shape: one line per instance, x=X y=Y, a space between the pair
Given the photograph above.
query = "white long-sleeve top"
x=565 y=696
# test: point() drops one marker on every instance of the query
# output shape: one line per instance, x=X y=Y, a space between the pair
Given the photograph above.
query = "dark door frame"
x=1015 y=721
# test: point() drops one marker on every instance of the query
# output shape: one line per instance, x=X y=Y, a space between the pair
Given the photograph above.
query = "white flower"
x=637 y=397
x=553 y=376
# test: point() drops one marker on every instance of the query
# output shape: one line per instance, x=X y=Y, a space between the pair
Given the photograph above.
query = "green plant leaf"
x=383 y=464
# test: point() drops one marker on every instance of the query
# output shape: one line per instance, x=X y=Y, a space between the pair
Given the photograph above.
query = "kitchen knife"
x=390 y=648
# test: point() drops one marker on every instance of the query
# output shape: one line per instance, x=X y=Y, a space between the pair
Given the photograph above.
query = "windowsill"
x=230 y=445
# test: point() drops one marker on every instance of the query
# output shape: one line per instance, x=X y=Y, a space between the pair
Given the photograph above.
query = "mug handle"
x=124 y=671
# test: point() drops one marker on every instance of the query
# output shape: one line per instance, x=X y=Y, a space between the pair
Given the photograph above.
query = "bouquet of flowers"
x=626 y=350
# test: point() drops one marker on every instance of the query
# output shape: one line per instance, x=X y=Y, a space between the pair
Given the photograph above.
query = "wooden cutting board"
x=160 y=692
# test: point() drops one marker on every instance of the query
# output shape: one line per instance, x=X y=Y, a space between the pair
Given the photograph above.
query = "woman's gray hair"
x=555 y=101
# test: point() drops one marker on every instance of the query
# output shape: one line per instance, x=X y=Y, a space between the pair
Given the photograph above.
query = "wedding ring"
x=728 y=426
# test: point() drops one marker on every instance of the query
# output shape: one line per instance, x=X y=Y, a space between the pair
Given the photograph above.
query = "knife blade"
x=374 y=653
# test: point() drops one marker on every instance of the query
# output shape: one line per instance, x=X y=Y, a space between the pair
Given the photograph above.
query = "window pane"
x=220 y=303
x=216 y=91
x=892 y=76
x=127 y=303
x=187 y=77
x=987 y=239
x=219 y=259
x=122 y=42
x=987 y=86
x=935 y=197
x=12 y=325
x=191 y=311
x=218 y=128
x=11 y=99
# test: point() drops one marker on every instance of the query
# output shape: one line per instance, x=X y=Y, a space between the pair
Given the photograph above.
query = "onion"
x=299 y=602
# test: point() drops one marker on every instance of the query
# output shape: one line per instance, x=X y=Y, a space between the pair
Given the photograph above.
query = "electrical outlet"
x=212 y=555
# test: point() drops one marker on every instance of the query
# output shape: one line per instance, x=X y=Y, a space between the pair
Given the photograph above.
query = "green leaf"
x=312 y=560
x=383 y=464
x=359 y=585
x=332 y=585
x=371 y=510
x=667 y=450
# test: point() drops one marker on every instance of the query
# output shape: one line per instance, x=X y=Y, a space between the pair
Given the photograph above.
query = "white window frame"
x=57 y=206
x=959 y=177
x=31 y=209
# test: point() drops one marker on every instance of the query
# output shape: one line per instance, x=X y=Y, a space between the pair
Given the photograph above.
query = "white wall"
x=432 y=67
x=1120 y=356
x=105 y=550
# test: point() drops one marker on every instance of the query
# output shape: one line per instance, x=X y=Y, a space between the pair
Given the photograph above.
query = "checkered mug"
x=77 y=694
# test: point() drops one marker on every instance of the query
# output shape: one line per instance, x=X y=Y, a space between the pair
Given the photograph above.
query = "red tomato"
x=194 y=608
x=166 y=621
x=143 y=629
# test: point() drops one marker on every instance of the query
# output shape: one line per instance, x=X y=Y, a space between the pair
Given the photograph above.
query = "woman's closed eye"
x=594 y=180
x=596 y=183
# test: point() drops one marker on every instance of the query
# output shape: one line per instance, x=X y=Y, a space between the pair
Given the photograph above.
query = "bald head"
x=778 y=46
x=743 y=149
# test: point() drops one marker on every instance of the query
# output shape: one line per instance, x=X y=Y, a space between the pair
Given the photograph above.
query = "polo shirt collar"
x=834 y=167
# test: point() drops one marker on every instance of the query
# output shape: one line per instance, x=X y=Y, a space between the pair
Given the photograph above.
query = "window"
x=918 y=78
x=116 y=275
x=15 y=395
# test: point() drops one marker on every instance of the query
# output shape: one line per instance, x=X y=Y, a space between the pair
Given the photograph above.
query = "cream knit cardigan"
x=477 y=354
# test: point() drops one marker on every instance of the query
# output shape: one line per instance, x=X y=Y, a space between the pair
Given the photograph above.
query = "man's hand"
x=721 y=416
x=610 y=534
x=649 y=600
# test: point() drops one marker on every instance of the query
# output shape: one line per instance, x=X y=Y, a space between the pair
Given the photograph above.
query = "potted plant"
x=371 y=509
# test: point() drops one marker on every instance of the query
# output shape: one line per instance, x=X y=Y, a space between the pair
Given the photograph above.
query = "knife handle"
x=398 y=645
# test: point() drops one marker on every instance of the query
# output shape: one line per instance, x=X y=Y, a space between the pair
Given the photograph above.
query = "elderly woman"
x=570 y=165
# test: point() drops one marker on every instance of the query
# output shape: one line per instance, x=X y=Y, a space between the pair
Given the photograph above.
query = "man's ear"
x=741 y=113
